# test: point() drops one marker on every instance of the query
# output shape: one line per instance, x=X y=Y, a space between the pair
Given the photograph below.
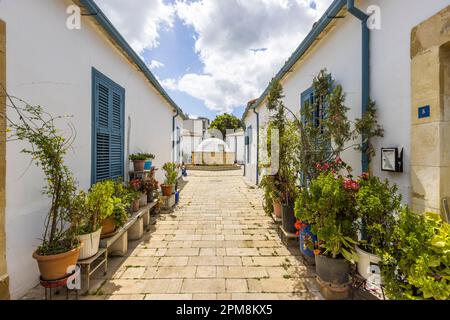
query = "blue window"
x=108 y=104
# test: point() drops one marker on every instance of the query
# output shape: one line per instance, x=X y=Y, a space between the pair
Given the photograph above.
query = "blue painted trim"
x=318 y=28
x=365 y=91
x=106 y=24
x=95 y=77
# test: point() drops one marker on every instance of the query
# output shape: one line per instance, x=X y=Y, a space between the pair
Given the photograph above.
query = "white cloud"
x=139 y=21
x=169 y=84
x=242 y=44
x=155 y=64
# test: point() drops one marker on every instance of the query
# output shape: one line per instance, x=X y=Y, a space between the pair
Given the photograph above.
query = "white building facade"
x=69 y=72
x=399 y=32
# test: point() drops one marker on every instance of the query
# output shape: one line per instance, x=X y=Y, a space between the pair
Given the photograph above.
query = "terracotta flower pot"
x=55 y=267
x=135 y=205
x=277 y=208
x=167 y=190
x=138 y=165
x=108 y=226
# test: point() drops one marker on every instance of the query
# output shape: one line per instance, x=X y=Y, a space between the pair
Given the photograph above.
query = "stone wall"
x=213 y=158
x=4 y=288
x=430 y=136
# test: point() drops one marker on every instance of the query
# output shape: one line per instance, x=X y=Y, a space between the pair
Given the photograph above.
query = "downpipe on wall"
x=365 y=92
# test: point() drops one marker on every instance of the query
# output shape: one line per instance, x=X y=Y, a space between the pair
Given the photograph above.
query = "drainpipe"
x=257 y=145
x=365 y=92
x=173 y=133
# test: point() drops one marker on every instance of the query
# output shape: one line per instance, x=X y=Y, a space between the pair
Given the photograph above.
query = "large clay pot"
x=167 y=190
x=89 y=244
x=108 y=226
x=288 y=219
x=138 y=165
x=55 y=267
x=333 y=271
x=150 y=197
x=276 y=208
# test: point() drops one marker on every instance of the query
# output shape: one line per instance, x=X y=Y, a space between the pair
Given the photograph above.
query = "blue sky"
x=213 y=56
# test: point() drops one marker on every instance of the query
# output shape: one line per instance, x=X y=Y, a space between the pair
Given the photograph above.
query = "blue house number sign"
x=424 y=112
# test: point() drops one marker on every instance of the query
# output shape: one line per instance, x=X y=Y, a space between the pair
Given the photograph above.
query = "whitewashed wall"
x=340 y=52
x=236 y=143
x=50 y=65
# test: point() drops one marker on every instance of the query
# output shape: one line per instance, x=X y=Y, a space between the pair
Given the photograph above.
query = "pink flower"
x=338 y=160
x=365 y=176
x=326 y=166
x=318 y=166
x=350 y=184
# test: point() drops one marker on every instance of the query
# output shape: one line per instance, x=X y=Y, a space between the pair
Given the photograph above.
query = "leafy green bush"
x=416 y=265
x=100 y=204
x=141 y=156
x=377 y=202
x=171 y=173
x=328 y=205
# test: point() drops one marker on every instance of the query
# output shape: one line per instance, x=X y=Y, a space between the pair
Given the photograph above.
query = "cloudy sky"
x=212 y=56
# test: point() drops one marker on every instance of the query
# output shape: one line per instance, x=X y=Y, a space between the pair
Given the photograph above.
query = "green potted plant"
x=100 y=207
x=416 y=264
x=135 y=194
x=377 y=203
x=171 y=176
x=328 y=205
x=123 y=198
x=138 y=161
x=60 y=246
x=150 y=186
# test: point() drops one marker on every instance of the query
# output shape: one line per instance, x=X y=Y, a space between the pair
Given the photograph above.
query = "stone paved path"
x=218 y=244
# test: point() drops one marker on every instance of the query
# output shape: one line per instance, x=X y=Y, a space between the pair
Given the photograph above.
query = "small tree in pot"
x=377 y=203
x=171 y=176
x=100 y=207
x=60 y=246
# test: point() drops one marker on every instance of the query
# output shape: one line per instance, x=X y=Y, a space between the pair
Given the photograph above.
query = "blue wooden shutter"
x=108 y=131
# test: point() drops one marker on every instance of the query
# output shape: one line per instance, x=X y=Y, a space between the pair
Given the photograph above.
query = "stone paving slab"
x=217 y=244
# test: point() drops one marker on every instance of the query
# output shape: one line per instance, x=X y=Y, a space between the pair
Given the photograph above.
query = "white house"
x=399 y=59
x=195 y=131
x=73 y=72
x=236 y=143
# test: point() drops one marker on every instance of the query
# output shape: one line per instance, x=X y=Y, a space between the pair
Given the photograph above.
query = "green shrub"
x=328 y=205
x=377 y=202
x=416 y=265
x=141 y=156
x=171 y=173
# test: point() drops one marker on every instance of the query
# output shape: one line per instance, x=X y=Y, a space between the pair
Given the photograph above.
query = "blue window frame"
x=108 y=122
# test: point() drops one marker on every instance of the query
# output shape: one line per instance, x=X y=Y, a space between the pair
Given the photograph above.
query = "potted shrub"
x=60 y=246
x=377 y=202
x=328 y=206
x=416 y=264
x=100 y=207
x=138 y=161
x=171 y=176
x=123 y=199
x=150 y=186
x=135 y=194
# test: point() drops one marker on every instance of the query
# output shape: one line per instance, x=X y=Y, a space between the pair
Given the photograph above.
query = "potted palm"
x=60 y=246
x=138 y=160
x=171 y=176
x=328 y=206
x=377 y=202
